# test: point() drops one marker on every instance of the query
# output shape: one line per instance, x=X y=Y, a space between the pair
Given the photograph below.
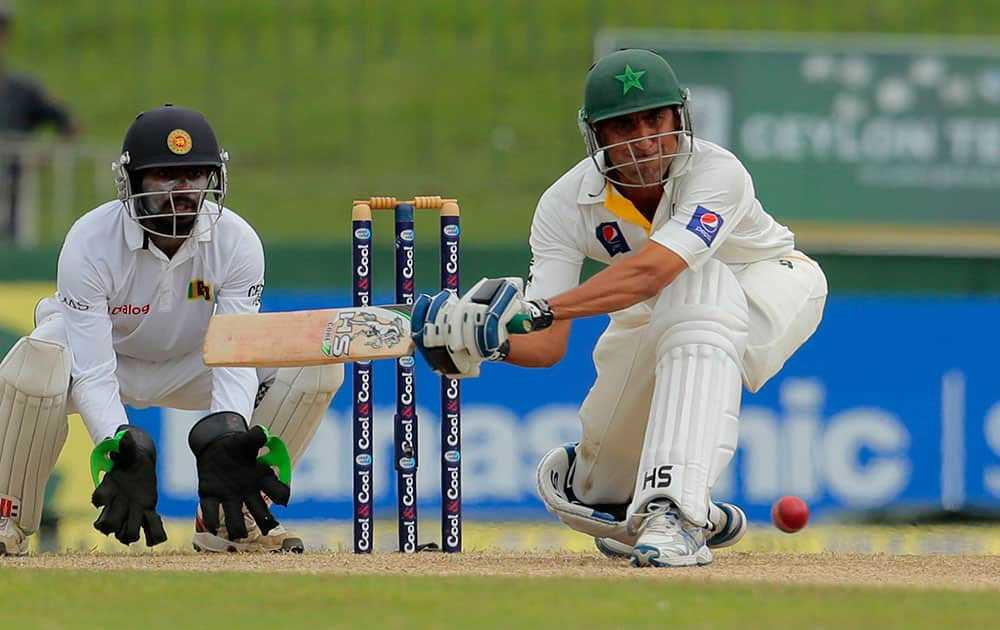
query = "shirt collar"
x=608 y=197
x=592 y=189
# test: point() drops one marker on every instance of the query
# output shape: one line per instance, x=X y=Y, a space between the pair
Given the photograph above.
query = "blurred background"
x=871 y=128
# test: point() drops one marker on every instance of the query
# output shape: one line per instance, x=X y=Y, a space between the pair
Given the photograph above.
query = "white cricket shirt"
x=121 y=296
x=708 y=210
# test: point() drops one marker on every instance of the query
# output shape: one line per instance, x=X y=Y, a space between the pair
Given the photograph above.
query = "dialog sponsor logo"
x=130 y=309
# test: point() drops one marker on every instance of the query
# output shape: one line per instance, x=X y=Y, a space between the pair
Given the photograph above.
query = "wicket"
x=405 y=420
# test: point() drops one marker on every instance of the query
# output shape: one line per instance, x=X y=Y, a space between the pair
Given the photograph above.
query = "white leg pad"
x=295 y=403
x=34 y=382
x=701 y=327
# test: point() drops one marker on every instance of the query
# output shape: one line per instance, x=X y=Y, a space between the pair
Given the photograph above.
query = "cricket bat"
x=315 y=337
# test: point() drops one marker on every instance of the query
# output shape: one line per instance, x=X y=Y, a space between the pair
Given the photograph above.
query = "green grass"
x=322 y=101
x=54 y=599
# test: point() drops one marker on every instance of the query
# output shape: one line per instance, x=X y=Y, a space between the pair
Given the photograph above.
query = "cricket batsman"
x=706 y=294
x=138 y=279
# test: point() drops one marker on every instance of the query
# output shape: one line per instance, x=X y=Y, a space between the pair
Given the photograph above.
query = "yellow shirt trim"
x=625 y=209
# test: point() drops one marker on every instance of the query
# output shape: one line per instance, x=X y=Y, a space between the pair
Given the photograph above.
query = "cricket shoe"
x=726 y=533
x=666 y=539
x=730 y=529
x=13 y=542
x=278 y=540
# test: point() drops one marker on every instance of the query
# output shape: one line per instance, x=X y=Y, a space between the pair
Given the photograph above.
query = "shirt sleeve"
x=82 y=290
x=556 y=260
x=709 y=207
x=235 y=388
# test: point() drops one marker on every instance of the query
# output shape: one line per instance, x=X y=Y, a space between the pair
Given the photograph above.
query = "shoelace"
x=650 y=520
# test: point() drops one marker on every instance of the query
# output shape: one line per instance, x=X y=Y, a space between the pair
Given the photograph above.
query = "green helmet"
x=625 y=82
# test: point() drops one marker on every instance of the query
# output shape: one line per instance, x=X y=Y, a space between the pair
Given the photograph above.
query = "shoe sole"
x=650 y=556
x=205 y=542
x=729 y=536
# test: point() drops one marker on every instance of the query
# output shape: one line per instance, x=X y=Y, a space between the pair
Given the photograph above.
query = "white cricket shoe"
x=13 y=542
x=729 y=531
x=278 y=540
x=667 y=540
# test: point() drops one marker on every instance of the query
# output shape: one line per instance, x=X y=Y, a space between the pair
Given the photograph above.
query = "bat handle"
x=519 y=325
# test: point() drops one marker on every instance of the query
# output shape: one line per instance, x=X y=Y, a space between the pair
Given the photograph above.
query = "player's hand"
x=431 y=322
x=127 y=494
x=230 y=475
x=484 y=313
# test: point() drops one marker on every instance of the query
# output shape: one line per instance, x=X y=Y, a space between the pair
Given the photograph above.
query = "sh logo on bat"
x=339 y=334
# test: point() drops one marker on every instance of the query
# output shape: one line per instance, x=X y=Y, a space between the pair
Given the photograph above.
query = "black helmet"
x=169 y=136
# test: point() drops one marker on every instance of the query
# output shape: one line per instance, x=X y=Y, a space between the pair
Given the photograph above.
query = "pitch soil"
x=930 y=572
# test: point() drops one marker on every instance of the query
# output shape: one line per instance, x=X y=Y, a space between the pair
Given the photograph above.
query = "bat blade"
x=303 y=338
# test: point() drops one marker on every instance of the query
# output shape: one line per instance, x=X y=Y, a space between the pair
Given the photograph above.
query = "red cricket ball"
x=790 y=514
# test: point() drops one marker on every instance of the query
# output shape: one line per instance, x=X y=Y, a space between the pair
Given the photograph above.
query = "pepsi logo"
x=710 y=221
x=705 y=224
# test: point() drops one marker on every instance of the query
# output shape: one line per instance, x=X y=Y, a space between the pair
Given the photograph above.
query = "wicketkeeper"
x=138 y=279
x=706 y=293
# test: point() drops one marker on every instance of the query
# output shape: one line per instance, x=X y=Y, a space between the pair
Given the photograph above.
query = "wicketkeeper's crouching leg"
x=291 y=406
x=34 y=381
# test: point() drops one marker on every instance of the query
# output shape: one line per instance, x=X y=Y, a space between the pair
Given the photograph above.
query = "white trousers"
x=784 y=304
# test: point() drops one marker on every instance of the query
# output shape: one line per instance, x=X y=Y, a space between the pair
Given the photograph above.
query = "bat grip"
x=520 y=324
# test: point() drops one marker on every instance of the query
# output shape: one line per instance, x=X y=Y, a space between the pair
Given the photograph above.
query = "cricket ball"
x=790 y=514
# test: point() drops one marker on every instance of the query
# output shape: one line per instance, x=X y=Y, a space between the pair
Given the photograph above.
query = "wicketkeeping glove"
x=127 y=494
x=231 y=475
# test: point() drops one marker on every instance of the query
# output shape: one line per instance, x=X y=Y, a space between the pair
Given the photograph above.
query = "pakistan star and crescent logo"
x=630 y=79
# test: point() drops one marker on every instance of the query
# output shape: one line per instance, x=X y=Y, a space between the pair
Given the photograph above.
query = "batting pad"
x=296 y=402
x=551 y=479
x=34 y=382
x=701 y=323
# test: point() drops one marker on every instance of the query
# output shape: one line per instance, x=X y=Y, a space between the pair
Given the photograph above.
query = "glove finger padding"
x=485 y=312
x=274 y=488
x=439 y=316
x=232 y=511
x=129 y=532
x=152 y=528
x=112 y=516
x=261 y=513
x=210 y=512
x=104 y=493
x=430 y=325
